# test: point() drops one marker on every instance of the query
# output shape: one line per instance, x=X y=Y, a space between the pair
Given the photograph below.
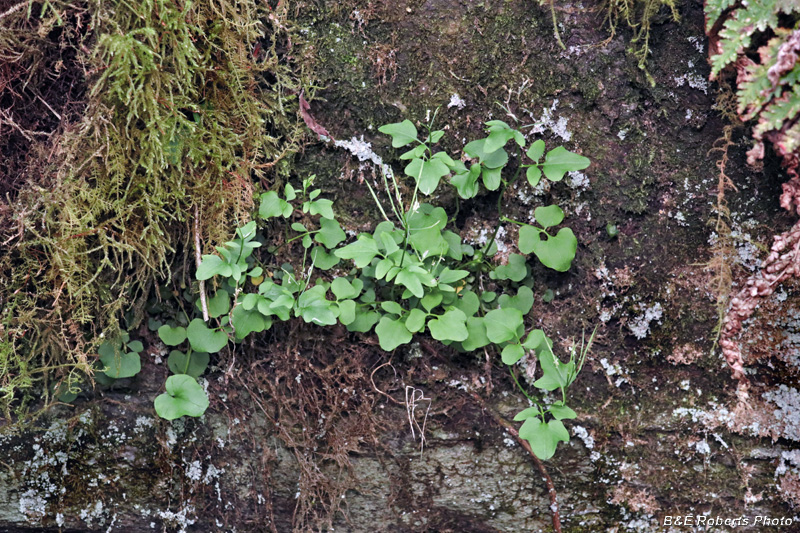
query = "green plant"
x=411 y=274
x=184 y=396
x=639 y=16
x=120 y=357
x=768 y=93
x=768 y=89
x=174 y=117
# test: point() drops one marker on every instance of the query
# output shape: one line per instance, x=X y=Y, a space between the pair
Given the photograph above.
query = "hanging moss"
x=638 y=15
x=189 y=106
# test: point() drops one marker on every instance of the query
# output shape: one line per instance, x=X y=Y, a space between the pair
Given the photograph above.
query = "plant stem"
x=198 y=260
x=555 y=25
x=528 y=396
x=490 y=242
x=405 y=219
x=551 y=489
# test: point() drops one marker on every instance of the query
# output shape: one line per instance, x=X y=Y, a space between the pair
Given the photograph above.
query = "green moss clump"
x=189 y=105
x=639 y=16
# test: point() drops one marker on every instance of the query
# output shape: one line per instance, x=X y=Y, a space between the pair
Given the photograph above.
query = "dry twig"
x=197 y=260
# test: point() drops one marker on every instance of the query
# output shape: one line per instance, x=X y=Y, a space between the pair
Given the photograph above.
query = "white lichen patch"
x=701 y=447
x=363 y=151
x=456 y=101
x=787 y=414
x=578 y=180
x=33 y=505
x=582 y=434
x=747 y=254
x=480 y=236
x=194 y=471
x=141 y=424
x=614 y=369
x=692 y=78
x=789 y=324
x=547 y=121
x=640 y=324
x=181 y=519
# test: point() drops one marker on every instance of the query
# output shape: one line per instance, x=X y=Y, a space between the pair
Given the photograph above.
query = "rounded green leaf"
x=65 y=393
x=273 y=206
x=557 y=252
x=342 y=288
x=466 y=181
x=193 y=364
x=322 y=207
x=427 y=173
x=247 y=321
x=119 y=364
x=477 y=334
x=522 y=301
x=562 y=412
x=402 y=133
x=534 y=339
x=392 y=307
x=492 y=177
x=489 y=159
x=417 y=151
x=184 y=397
x=533 y=174
x=528 y=236
x=512 y=353
x=347 y=311
x=362 y=251
x=515 y=270
x=502 y=324
x=535 y=150
x=322 y=259
x=431 y=300
x=330 y=233
x=468 y=302
x=211 y=266
x=204 y=339
x=497 y=139
x=530 y=412
x=392 y=333
x=171 y=336
x=551 y=215
x=135 y=346
x=451 y=326
x=313 y=307
x=415 y=320
x=364 y=321
x=218 y=305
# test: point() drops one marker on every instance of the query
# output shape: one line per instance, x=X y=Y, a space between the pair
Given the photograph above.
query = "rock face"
x=308 y=432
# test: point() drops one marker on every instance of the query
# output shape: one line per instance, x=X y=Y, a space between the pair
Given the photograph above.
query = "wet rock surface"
x=659 y=430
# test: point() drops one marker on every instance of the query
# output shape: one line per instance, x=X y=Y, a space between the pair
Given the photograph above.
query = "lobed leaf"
x=402 y=133
x=184 y=397
x=559 y=161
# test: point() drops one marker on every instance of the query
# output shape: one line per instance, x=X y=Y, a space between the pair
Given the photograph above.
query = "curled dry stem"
x=413 y=396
